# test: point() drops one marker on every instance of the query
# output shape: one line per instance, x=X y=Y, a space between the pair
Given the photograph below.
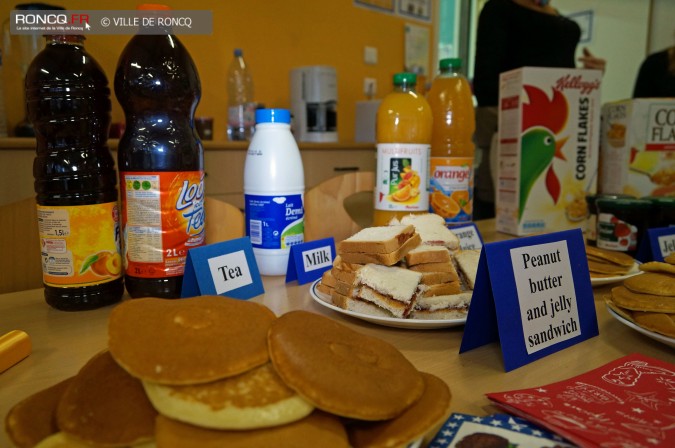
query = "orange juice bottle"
x=452 y=148
x=403 y=138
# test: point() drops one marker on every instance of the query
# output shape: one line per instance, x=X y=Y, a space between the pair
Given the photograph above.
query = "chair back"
x=20 y=262
x=224 y=221
x=327 y=215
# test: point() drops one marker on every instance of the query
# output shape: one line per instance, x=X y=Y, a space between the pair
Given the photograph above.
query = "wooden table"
x=64 y=341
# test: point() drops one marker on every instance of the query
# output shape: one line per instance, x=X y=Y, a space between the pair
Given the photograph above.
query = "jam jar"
x=622 y=222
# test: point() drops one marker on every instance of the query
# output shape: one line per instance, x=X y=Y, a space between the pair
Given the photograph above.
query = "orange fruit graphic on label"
x=403 y=194
x=104 y=264
x=443 y=205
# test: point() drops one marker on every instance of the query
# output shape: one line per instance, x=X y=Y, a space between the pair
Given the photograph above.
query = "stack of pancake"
x=648 y=299
x=603 y=263
x=212 y=372
x=440 y=289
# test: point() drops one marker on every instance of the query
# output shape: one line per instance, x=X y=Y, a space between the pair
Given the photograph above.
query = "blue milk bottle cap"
x=273 y=116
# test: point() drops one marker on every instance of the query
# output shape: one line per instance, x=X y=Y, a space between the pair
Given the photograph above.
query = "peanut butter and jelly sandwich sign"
x=533 y=295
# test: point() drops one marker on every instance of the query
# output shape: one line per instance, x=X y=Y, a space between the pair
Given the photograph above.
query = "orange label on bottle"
x=402 y=170
x=80 y=245
x=163 y=217
x=451 y=188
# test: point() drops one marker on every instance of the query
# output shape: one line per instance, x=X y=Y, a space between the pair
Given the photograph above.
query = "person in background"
x=656 y=78
x=513 y=34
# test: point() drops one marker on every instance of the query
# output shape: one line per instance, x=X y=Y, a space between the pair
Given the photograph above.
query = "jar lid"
x=273 y=116
x=668 y=201
x=623 y=203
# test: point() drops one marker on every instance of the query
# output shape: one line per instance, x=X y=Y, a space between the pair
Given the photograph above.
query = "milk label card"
x=226 y=269
x=657 y=244
x=469 y=237
x=533 y=295
x=307 y=261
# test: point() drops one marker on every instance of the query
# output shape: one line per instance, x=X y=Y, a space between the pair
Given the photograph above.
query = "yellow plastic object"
x=14 y=346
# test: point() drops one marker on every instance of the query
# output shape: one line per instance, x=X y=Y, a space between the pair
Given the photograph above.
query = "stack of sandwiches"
x=409 y=269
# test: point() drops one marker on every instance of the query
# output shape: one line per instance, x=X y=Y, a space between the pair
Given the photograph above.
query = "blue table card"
x=226 y=269
x=657 y=244
x=469 y=236
x=533 y=295
x=307 y=261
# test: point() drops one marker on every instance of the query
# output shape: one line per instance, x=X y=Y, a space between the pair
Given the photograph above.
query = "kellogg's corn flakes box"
x=637 y=155
x=549 y=126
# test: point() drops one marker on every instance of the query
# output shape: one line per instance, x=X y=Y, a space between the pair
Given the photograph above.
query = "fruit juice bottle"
x=452 y=148
x=68 y=103
x=403 y=137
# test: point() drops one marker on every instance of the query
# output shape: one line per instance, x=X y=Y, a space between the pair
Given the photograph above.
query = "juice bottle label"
x=163 y=218
x=402 y=177
x=451 y=188
x=73 y=255
x=275 y=222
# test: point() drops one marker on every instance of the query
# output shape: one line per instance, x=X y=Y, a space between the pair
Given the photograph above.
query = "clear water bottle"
x=274 y=188
x=240 y=104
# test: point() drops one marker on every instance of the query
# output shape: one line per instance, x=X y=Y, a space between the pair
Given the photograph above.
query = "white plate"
x=599 y=281
x=415 y=324
x=657 y=336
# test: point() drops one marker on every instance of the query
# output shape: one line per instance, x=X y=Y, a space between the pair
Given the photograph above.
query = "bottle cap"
x=238 y=52
x=447 y=63
x=273 y=116
x=406 y=78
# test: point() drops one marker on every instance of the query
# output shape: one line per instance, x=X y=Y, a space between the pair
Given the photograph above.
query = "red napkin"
x=629 y=402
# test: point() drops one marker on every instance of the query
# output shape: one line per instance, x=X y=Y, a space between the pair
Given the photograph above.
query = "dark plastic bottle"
x=161 y=163
x=68 y=103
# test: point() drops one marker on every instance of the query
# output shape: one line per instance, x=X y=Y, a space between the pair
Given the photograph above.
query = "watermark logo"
x=111 y=22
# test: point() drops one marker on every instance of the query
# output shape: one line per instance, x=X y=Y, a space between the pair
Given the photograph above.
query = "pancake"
x=32 y=419
x=627 y=299
x=658 y=266
x=416 y=421
x=254 y=399
x=612 y=256
x=670 y=258
x=189 y=341
x=341 y=371
x=61 y=440
x=652 y=283
x=104 y=405
x=316 y=430
x=606 y=268
x=659 y=322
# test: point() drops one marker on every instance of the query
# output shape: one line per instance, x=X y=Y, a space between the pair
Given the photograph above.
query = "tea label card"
x=533 y=295
x=228 y=269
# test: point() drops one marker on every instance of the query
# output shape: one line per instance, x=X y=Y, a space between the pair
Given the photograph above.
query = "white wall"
x=620 y=35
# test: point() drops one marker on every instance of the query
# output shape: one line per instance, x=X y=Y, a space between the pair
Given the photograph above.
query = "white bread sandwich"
x=467 y=266
x=385 y=245
x=454 y=306
x=358 y=305
x=435 y=278
x=327 y=283
x=442 y=289
x=392 y=288
x=425 y=253
x=432 y=230
x=343 y=271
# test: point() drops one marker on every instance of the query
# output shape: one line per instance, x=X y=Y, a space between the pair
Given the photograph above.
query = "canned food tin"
x=622 y=222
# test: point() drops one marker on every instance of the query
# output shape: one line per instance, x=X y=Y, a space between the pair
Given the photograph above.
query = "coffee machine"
x=313 y=103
